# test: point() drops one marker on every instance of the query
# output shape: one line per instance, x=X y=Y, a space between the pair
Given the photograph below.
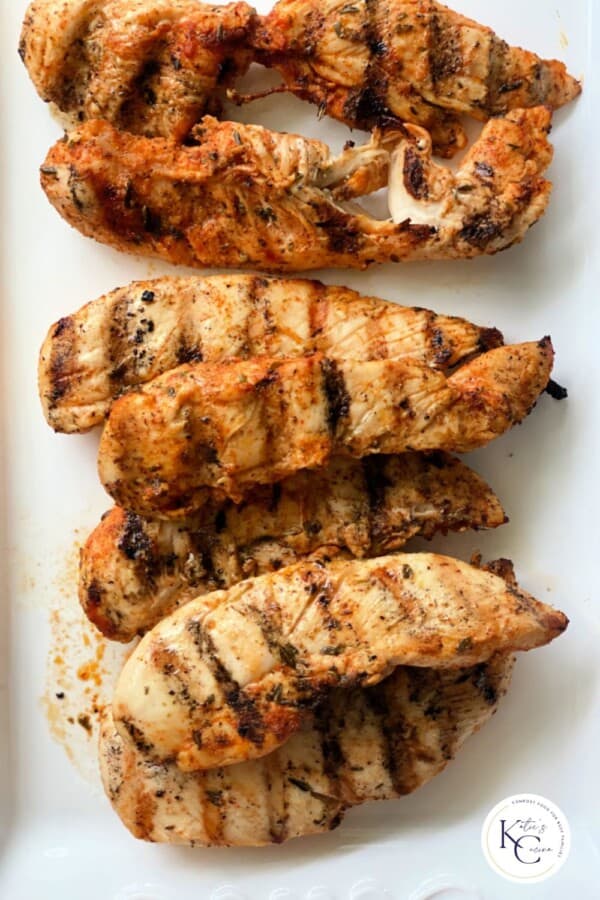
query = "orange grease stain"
x=81 y=670
x=91 y=671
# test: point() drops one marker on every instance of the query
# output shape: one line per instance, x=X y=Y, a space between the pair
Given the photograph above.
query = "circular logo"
x=526 y=838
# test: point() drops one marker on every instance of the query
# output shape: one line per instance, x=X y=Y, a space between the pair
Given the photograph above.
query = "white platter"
x=58 y=836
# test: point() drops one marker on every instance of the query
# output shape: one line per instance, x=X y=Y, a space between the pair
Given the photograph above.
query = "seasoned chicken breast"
x=206 y=432
x=135 y=333
x=229 y=676
x=154 y=67
x=371 y=744
x=416 y=61
x=245 y=196
x=135 y=571
x=148 y=66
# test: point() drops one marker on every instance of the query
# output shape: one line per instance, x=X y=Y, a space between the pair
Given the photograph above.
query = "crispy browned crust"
x=417 y=61
x=372 y=744
x=207 y=432
x=134 y=333
x=134 y=571
x=229 y=676
x=245 y=196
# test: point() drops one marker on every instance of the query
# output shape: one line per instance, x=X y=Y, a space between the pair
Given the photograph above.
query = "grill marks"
x=421 y=715
x=338 y=398
x=118 y=343
x=226 y=691
x=247 y=713
x=206 y=650
x=148 y=69
x=373 y=89
x=371 y=105
x=250 y=724
x=130 y=342
x=408 y=62
x=121 y=340
x=156 y=71
x=445 y=58
x=435 y=493
x=376 y=483
x=139 y=570
x=415 y=181
x=137 y=544
x=266 y=419
x=60 y=362
x=267 y=391
x=333 y=756
x=378 y=743
x=390 y=739
x=519 y=78
x=345 y=624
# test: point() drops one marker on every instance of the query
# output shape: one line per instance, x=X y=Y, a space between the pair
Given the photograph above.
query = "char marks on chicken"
x=154 y=67
x=135 y=570
x=206 y=432
x=359 y=745
x=129 y=336
x=231 y=675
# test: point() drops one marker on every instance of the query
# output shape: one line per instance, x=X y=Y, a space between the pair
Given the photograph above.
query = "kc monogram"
x=526 y=838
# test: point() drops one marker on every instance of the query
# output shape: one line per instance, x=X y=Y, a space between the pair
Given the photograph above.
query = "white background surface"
x=58 y=836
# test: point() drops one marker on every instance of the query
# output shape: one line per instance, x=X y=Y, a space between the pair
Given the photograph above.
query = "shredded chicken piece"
x=154 y=67
x=365 y=62
x=245 y=196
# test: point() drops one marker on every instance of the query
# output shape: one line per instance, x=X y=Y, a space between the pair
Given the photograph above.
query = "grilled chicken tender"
x=371 y=744
x=409 y=60
x=229 y=676
x=148 y=67
x=135 y=571
x=207 y=432
x=245 y=196
x=135 y=333
x=154 y=67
